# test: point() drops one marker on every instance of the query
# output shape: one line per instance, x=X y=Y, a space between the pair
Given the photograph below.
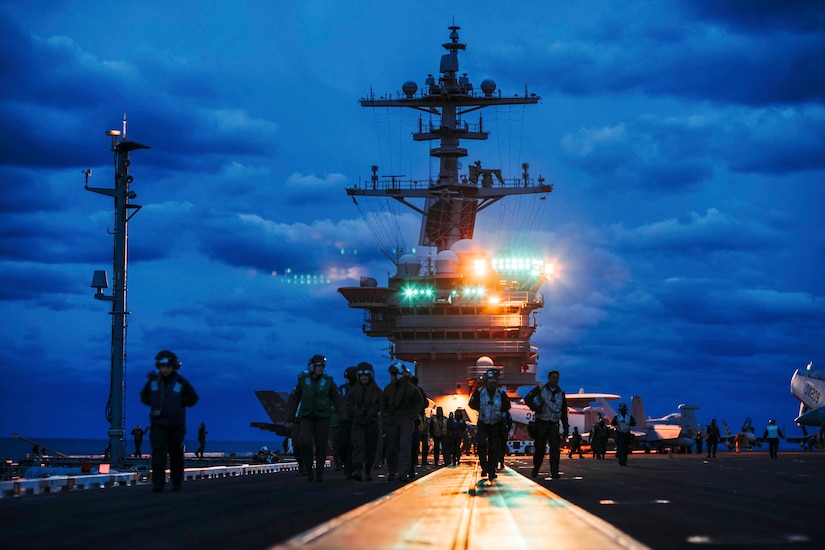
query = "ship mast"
x=450 y=202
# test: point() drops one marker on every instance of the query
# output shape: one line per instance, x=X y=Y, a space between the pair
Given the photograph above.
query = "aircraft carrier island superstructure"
x=459 y=311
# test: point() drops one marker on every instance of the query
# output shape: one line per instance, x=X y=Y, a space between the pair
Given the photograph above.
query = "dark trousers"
x=398 y=432
x=167 y=440
x=364 y=441
x=622 y=446
x=440 y=449
x=547 y=432
x=314 y=439
x=343 y=446
x=488 y=443
x=773 y=446
x=202 y=447
x=138 y=444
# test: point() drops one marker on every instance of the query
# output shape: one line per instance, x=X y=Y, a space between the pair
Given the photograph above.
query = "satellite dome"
x=446 y=262
x=409 y=88
x=484 y=361
x=467 y=246
x=488 y=86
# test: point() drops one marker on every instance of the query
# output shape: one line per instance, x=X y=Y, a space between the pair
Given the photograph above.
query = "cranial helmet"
x=166 y=357
x=364 y=368
x=395 y=368
x=319 y=360
x=622 y=405
x=491 y=374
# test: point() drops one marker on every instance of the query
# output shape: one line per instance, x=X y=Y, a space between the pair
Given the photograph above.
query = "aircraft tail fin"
x=689 y=420
x=637 y=410
x=275 y=404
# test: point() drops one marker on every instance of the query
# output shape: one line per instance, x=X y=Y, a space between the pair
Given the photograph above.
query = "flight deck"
x=738 y=500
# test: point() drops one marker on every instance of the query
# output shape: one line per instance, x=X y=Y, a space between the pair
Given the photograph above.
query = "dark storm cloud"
x=35 y=283
x=758 y=16
x=677 y=57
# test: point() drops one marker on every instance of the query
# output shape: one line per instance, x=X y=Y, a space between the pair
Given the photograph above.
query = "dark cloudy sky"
x=685 y=141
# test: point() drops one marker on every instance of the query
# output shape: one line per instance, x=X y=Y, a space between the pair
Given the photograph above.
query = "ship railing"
x=389 y=184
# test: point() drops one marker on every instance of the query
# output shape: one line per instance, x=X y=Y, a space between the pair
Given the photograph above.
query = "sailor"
x=491 y=403
x=549 y=402
x=598 y=437
x=439 y=432
x=772 y=435
x=575 y=443
x=343 y=448
x=137 y=433
x=457 y=428
x=420 y=445
x=168 y=394
x=713 y=438
x=623 y=422
x=363 y=408
x=316 y=397
x=401 y=404
x=201 y=439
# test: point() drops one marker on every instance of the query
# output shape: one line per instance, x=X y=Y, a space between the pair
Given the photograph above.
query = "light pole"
x=124 y=211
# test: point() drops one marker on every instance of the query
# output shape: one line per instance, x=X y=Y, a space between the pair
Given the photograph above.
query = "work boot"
x=356 y=475
x=391 y=477
x=535 y=473
x=309 y=474
x=319 y=474
x=368 y=476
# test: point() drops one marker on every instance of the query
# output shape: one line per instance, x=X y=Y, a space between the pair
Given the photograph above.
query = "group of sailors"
x=359 y=420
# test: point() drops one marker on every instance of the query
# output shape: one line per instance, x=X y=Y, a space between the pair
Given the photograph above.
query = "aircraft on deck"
x=582 y=409
x=747 y=436
x=275 y=404
x=808 y=386
x=678 y=429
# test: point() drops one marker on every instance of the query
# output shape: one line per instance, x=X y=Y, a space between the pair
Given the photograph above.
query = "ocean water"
x=16 y=449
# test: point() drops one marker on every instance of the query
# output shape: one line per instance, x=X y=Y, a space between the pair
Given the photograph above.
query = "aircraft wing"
x=660 y=433
x=582 y=399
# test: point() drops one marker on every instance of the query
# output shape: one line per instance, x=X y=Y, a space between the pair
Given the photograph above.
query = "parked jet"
x=275 y=405
x=582 y=409
x=677 y=429
x=808 y=386
x=747 y=436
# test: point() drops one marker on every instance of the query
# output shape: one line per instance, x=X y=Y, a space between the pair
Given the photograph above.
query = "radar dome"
x=446 y=262
x=409 y=88
x=484 y=361
x=488 y=86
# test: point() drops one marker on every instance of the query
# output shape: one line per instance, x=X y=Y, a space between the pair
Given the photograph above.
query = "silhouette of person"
x=549 y=402
x=168 y=394
x=575 y=443
x=623 y=421
x=137 y=433
x=316 y=399
x=401 y=404
x=772 y=434
x=491 y=404
x=713 y=438
x=201 y=440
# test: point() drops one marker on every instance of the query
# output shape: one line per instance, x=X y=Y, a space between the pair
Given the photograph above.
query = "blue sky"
x=685 y=141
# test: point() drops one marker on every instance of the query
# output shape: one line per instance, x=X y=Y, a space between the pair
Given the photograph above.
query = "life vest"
x=439 y=428
x=773 y=431
x=489 y=408
x=552 y=404
x=623 y=423
x=165 y=400
x=315 y=401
